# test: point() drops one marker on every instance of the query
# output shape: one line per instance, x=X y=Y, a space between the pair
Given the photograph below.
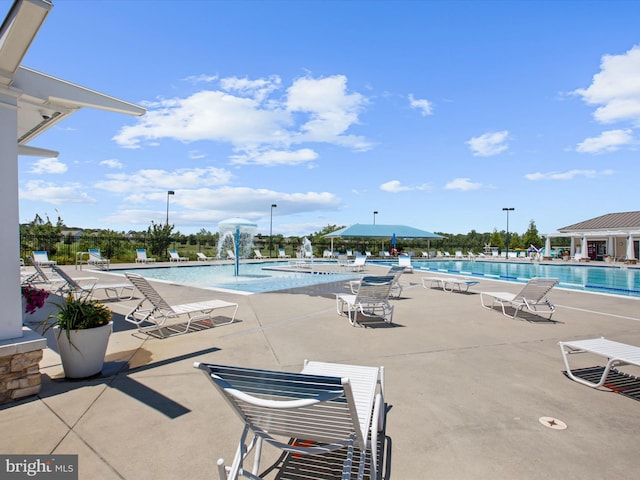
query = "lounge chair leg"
x=570 y=374
x=222 y=470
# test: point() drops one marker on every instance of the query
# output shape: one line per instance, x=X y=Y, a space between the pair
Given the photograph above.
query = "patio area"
x=466 y=386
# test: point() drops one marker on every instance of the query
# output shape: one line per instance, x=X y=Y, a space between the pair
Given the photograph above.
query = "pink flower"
x=34 y=298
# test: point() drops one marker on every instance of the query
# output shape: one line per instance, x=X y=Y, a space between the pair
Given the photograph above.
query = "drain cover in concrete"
x=553 y=423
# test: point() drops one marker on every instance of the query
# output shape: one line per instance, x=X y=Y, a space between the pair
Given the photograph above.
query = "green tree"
x=531 y=236
x=159 y=238
x=44 y=232
x=496 y=239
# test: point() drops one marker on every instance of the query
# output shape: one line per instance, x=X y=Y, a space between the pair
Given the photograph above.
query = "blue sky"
x=436 y=114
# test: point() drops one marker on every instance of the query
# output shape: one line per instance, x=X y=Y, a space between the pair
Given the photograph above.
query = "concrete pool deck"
x=466 y=386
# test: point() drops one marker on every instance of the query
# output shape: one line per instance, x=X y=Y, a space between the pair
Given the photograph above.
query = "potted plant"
x=82 y=327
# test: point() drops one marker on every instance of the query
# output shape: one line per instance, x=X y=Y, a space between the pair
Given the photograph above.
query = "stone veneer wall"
x=19 y=375
x=19 y=365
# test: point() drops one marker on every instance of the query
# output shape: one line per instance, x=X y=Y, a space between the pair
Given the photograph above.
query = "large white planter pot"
x=85 y=356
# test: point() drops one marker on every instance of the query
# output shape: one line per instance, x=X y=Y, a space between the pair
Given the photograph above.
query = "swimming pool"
x=253 y=278
x=603 y=279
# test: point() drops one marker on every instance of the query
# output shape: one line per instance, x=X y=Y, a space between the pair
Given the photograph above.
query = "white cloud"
x=489 y=144
x=48 y=166
x=462 y=184
x=258 y=89
x=394 y=186
x=111 y=163
x=152 y=180
x=424 y=106
x=616 y=88
x=208 y=206
x=275 y=157
x=568 y=175
x=201 y=78
x=250 y=116
x=608 y=141
x=38 y=190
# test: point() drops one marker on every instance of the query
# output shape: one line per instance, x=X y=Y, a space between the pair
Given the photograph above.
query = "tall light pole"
x=375 y=212
x=508 y=209
x=170 y=192
x=273 y=205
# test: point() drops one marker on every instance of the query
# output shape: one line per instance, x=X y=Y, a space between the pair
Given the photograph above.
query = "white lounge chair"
x=396 y=288
x=174 y=257
x=425 y=254
x=616 y=354
x=358 y=264
x=328 y=408
x=203 y=258
x=372 y=300
x=153 y=318
x=115 y=291
x=258 y=255
x=54 y=283
x=282 y=254
x=231 y=254
x=97 y=260
x=141 y=256
x=41 y=258
x=405 y=261
x=452 y=282
x=533 y=297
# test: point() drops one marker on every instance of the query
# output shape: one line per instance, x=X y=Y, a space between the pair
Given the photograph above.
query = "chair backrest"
x=404 y=261
x=258 y=254
x=141 y=253
x=40 y=256
x=536 y=289
x=40 y=272
x=281 y=252
x=395 y=271
x=94 y=254
x=359 y=260
x=174 y=254
x=290 y=405
x=70 y=284
x=374 y=289
x=231 y=255
x=150 y=293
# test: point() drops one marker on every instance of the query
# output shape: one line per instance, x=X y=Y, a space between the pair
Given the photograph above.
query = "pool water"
x=604 y=279
x=253 y=278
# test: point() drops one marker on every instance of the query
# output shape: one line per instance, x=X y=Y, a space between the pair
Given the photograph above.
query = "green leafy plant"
x=77 y=314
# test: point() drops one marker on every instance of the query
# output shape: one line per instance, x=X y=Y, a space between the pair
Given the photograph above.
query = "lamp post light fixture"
x=508 y=209
x=170 y=192
x=375 y=212
x=273 y=205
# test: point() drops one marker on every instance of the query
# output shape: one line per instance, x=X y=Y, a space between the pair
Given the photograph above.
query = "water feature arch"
x=237 y=234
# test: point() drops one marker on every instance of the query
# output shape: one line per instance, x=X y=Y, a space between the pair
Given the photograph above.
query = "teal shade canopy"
x=382 y=231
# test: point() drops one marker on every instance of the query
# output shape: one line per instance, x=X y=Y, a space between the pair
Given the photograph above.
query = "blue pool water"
x=603 y=279
x=253 y=278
